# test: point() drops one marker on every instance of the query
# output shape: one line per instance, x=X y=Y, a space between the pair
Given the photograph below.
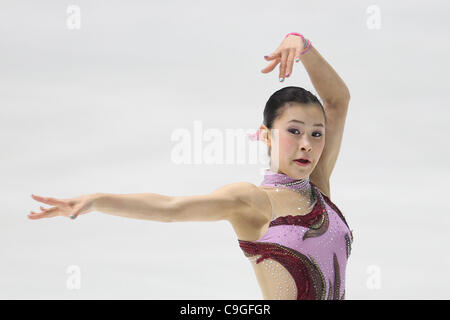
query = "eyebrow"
x=316 y=125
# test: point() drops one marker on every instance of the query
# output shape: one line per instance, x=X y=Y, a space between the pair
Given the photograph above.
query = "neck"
x=279 y=179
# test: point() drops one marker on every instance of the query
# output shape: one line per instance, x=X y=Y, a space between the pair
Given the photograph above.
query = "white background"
x=93 y=110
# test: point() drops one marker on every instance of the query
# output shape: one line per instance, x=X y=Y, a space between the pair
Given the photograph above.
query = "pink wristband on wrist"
x=308 y=46
x=296 y=34
x=307 y=43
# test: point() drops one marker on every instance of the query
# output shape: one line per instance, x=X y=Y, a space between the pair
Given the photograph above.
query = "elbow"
x=340 y=101
x=345 y=100
x=346 y=96
x=170 y=211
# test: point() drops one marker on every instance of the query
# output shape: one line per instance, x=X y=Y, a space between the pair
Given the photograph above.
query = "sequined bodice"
x=303 y=256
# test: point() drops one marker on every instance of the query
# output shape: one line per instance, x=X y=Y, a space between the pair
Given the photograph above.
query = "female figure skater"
x=296 y=239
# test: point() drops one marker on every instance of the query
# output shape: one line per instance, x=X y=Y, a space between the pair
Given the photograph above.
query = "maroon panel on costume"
x=306 y=275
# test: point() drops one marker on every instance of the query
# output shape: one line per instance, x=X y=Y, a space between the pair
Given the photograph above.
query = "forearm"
x=329 y=86
x=146 y=206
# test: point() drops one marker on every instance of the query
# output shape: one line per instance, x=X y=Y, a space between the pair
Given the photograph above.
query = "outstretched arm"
x=242 y=204
x=217 y=205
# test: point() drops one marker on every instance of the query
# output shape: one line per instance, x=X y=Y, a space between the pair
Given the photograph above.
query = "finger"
x=273 y=56
x=48 y=200
x=40 y=215
x=75 y=214
x=45 y=213
x=52 y=210
x=284 y=55
x=289 y=63
x=271 y=66
x=297 y=54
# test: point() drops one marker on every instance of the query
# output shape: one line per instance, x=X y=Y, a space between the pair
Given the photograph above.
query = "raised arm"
x=335 y=97
x=333 y=92
x=328 y=84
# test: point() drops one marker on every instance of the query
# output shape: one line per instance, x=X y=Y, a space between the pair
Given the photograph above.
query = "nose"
x=305 y=145
x=306 y=148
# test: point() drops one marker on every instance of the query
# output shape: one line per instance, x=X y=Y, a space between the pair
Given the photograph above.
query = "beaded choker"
x=277 y=179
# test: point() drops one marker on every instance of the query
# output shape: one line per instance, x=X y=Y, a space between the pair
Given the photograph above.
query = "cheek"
x=287 y=145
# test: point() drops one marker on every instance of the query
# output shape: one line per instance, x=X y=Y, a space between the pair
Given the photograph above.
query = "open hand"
x=63 y=207
x=289 y=49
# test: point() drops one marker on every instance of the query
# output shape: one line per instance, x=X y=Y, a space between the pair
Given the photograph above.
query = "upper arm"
x=224 y=203
x=334 y=131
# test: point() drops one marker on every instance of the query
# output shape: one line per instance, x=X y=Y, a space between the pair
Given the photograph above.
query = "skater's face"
x=299 y=132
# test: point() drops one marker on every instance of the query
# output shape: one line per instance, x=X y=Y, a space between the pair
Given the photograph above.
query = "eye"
x=320 y=134
x=293 y=130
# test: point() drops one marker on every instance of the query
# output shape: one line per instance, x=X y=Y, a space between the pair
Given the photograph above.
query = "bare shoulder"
x=249 y=195
x=253 y=213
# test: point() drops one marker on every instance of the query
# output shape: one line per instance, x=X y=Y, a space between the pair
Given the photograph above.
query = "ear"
x=264 y=134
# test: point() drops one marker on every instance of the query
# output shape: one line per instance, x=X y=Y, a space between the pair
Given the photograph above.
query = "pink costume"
x=305 y=256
